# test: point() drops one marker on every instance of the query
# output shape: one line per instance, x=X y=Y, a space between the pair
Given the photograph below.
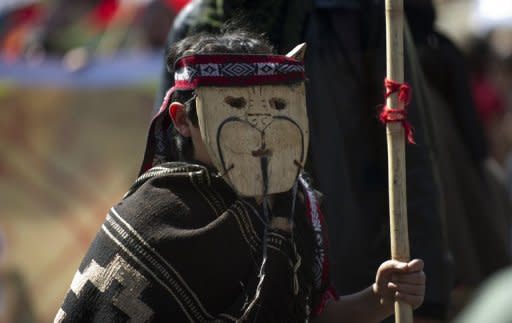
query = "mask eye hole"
x=277 y=103
x=237 y=103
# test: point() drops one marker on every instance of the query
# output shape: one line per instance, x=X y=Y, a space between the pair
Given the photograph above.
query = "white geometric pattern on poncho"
x=102 y=278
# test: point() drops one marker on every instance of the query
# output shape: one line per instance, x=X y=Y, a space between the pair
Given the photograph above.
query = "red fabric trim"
x=28 y=14
x=388 y=114
x=328 y=296
x=310 y=204
x=325 y=241
x=330 y=293
x=149 y=154
x=166 y=100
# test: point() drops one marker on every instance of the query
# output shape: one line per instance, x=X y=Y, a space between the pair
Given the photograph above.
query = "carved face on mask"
x=256 y=135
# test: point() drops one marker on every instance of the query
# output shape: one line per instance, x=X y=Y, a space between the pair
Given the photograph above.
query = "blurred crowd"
x=33 y=29
x=463 y=118
x=489 y=60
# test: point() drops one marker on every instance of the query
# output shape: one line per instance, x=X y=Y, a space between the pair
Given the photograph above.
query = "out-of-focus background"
x=77 y=85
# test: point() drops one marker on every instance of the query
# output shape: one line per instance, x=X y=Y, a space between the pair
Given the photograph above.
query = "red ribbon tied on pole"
x=398 y=115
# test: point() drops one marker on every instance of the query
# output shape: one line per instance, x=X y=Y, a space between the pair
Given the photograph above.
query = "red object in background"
x=17 y=27
x=487 y=98
x=176 y=5
x=103 y=13
x=28 y=14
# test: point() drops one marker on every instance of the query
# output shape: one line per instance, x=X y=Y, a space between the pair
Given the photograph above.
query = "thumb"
x=415 y=265
x=390 y=266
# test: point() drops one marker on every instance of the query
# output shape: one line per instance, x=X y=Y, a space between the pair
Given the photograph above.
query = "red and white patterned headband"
x=236 y=70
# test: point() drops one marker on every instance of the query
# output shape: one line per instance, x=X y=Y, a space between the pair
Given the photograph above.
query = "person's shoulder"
x=171 y=176
x=178 y=194
x=165 y=184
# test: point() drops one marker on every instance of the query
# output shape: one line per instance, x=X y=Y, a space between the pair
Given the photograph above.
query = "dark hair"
x=238 y=41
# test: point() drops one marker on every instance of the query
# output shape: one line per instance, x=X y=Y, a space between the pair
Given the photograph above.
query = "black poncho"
x=182 y=247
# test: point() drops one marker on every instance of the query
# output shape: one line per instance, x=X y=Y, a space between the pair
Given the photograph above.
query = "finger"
x=415 y=265
x=414 y=290
x=416 y=278
x=414 y=301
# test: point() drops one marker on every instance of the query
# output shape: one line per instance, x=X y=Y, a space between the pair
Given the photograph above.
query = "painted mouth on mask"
x=262 y=152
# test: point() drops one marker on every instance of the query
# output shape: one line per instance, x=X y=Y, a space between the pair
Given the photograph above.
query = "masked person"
x=222 y=224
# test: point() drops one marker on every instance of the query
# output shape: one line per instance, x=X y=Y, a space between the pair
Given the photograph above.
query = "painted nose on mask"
x=259 y=120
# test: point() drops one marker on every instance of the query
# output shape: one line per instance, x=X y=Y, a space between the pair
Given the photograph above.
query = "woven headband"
x=236 y=70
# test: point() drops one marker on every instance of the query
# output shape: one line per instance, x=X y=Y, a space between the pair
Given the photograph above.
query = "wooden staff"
x=396 y=148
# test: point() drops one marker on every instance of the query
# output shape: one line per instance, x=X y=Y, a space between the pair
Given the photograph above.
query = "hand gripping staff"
x=394 y=115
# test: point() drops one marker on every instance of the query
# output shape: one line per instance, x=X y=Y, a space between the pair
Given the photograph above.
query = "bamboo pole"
x=396 y=148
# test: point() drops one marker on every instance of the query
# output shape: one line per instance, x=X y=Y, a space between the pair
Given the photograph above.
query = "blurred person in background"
x=490 y=56
x=479 y=231
x=18 y=20
x=500 y=72
x=73 y=24
x=491 y=103
x=81 y=29
x=491 y=302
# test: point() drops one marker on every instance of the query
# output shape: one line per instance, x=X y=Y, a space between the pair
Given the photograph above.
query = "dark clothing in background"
x=346 y=69
x=337 y=4
x=445 y=70
x=476 y=209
